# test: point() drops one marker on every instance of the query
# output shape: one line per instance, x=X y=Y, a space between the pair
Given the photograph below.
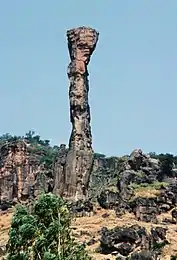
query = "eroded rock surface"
x=126 y=240
x=21 y=173
x=81 y=208
x=79 y=159
x=138 y=168
x=146 y=209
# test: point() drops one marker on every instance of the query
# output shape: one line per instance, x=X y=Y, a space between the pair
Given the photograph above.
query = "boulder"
x=145 y=209
x=143 y=255
x=81 y=208
x=127 y=240
x=109 y=199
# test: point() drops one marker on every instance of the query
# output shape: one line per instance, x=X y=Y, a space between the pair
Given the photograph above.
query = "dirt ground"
x=86 y=228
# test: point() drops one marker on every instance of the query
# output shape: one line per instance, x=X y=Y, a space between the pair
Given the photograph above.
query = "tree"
x=8 y=138
x=29 y=136
x=43 y=232
x=166 y=163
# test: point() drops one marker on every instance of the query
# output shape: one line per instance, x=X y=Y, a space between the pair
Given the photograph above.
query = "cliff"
x=22 y=173
x=28 y=168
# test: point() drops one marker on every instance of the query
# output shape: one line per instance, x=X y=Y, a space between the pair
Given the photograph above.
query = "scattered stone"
x=105 y=215
x=81 y=208
x=167 y=221
x=91 y=242
x=2 y=249
x=174 y=215
x=144 y=255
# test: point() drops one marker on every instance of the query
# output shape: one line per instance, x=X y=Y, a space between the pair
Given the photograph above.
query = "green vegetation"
x=173 y=257
x=43 y=148
x=140 y=174
x=155 y=185
x=160 y=245
x=8 y=138
x=48 y=153
x=39 y=147
x=167 y=162
x=99 y=155
x=146 y=190
x=43 y=232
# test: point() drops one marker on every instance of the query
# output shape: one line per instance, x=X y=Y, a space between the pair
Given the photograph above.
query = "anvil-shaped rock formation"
x=73 y=177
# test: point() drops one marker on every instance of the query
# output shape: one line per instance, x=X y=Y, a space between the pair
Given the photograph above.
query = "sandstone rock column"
x=81 y=43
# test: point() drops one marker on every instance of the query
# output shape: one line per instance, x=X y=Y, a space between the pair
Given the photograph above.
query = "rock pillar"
x=81 y=44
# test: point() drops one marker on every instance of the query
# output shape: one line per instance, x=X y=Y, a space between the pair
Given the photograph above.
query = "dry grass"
x=85 y=228
x=147 y=192
x=5 y=220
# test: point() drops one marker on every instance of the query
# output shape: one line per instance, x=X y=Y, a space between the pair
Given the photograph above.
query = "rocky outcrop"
x=13 y=159
x=79 y=159
x=104 y=172
x=168 y=196
x=143 y=255
x=146 y=209
x=125 y=241
x=21 y=173
x=81 y=208
x=139 y=171
x=109 y=199
x=59 y=170
x=138 y=168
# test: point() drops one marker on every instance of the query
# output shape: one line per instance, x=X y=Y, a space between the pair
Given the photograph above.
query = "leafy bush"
x=43 y=232
x=167 y=161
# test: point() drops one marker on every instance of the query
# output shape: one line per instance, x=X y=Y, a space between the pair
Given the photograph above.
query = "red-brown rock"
x=79 y=159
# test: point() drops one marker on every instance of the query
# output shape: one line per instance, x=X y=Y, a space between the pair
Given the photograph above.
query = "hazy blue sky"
x=133 y=72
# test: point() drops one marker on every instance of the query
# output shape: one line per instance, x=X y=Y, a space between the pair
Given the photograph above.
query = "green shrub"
x=155 y=185
x=43 y=232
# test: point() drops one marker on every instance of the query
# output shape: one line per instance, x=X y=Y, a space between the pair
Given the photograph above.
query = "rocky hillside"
x=29 y=165
x=128 y=196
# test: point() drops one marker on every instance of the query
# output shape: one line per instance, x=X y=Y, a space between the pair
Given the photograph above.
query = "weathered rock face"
x=13 y=162
x=79 y=159
x=59 y=170
x=141 y=167
x=124 y=241
x=21 y=174
x=104 y=170
x=81 y=208
x=109 y=199
x=137 y=168
x=146 y=209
